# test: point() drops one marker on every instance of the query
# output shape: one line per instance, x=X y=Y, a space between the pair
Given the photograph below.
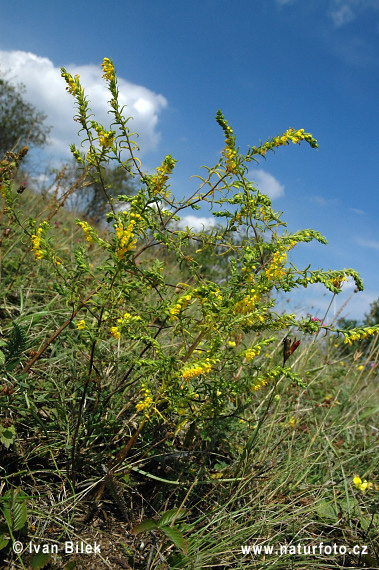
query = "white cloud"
x=196 y=223
x=357 y=211
x=344 y=11
x=45 y=89
x=372 y=244
x=284 y=2
x=268 y=184
x=342 y=15
x=323 y=202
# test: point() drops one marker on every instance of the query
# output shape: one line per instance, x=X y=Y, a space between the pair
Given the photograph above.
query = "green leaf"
x=19 y=514
x=169 y=516
x=70 y=565
x=3 y=542
x=40 y=561
x=7 y=435
x=326 y=511
x=176 y=537
x=2 y=358
x=148 y=524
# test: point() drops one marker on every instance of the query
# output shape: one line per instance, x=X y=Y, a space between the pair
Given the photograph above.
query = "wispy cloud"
x=323 y=202
x=371 y=244
x=357 y=211
x=342 y=15
x=343 y=12
x=284 y=2
x=267 y=183
x=45 y=89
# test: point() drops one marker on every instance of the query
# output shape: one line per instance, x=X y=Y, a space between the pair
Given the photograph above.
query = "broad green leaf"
x=3 y=542
x=19 y=514
x=169 y=516
x=176 y=537
x=148 y=524
x=7 y=435
x=39 y=561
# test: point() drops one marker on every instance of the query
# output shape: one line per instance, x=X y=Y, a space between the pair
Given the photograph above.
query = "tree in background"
x=89 y=197
x=21 y=124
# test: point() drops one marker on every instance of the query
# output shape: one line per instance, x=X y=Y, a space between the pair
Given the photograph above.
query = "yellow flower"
x=163 y=172
x=81 y=325
x=36 y=244
x=88 y=231
x=350 y=337
x=106 y=139
x=109 y=72
x=253 y=352
x=73 y=85
x=126 y=238
x=361 y=485
x=197 y=369
x=115 y=332
x=146 y=403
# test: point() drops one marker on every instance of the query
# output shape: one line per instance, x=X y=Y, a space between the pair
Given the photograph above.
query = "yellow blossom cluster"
x=81 y=325
x=147 y=401
x=289 y=135
x=106 y=138
x=108 y=68
x=126 y=319
x=247 y=304
x=361 y=485
x=260 y=383
x=337 y=281
x=181 y=304
x=36 y=244
x=360 y=334
x=203 y=367
x=73 y=86
x=230 y=156
x=127 y=240
x=163 y=172
x=88 y=231
x=253 y=352
x=276 y=268
x=248 y=273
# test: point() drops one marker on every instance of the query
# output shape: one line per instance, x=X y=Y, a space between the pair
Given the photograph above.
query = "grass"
x=282 y=476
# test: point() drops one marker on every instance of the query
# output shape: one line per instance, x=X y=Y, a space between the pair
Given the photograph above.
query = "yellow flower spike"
x=108 y=68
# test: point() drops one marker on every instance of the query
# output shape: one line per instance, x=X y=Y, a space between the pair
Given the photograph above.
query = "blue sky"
x=268 y=65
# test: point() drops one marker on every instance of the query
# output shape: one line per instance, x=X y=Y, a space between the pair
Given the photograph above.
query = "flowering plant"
x=187 y=349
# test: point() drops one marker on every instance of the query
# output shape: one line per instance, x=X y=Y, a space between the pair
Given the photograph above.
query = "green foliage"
x=20 y=122
x=165 y=525
x=14 y=512
x=16 y=344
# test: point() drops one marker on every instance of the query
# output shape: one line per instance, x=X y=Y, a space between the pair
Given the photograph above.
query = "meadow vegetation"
x=153 y=397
